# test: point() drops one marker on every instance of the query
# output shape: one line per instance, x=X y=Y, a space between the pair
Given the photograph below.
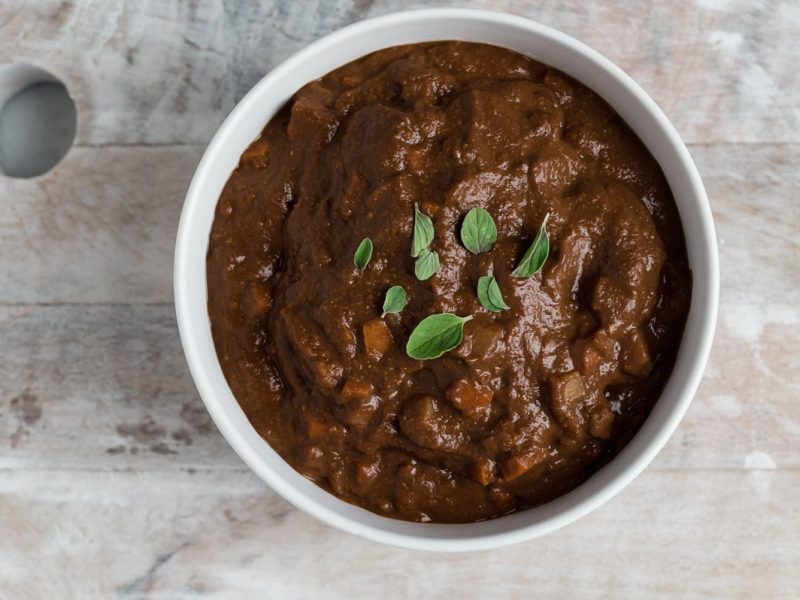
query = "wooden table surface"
x=114 y=481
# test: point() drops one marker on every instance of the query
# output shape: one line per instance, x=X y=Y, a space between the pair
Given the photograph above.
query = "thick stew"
x=538 y=395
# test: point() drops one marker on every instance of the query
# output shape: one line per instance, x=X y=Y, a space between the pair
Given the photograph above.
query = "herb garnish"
x=423 y=232
x=533 y=259
x=363 y=254
x=395 y=301
x=478 y=231
x=489 y=294
x=426 y=265
x=435 y=335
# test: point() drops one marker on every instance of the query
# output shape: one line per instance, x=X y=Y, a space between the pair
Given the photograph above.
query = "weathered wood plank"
x=168 y=72
x=745 y=413
x=721 y=534
x=752 y=193
x=100 y=387
x=106 y=387
x=107 y=451
x=101 y=226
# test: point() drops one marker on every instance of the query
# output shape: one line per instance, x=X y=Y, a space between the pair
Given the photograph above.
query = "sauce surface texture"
x=537 y=397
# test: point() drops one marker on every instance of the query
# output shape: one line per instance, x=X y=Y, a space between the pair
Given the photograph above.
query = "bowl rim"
x=521 y=526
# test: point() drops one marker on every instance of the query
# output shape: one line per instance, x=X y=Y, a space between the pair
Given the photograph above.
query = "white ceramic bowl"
x=543 y=44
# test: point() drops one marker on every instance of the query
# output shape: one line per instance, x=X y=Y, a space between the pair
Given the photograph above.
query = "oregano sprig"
x=426 y=265
x=489 y=294
x=395 y=300
x=535 y=256
x=478 y=231
x=435 y=335
x=427 y=262
x=423 y=232
x=363 y=253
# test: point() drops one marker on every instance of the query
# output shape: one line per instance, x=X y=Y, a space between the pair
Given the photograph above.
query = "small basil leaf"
x=478 y=231
x=426 y=265
x=363 y=254
x=533 y=259
x=489 y=294
x=435 y=335
x=395 y=301
x=423 y=232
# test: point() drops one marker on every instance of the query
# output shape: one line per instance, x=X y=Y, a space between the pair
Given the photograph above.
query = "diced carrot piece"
x=470 y=398
x=256 y=153
x=635 y=359
x=328 y=374
x=601 y=420
x=483 y=471
x=355 y=389
x=425 y=408
x=485 y=335
x=519 y=464
x=316 y=427
x=359 y=413
x=588 y=360
x=377 y=338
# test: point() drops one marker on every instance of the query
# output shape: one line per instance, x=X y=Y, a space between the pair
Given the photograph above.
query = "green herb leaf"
x=426 y=265
x=363 y=253
x=478 y=231
x=395 y=300
x=533 y=259
x=423 y=232
x=489 y=294
x=435 y=335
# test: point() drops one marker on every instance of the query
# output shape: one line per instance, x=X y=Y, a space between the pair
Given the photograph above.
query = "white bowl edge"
x=541 y=43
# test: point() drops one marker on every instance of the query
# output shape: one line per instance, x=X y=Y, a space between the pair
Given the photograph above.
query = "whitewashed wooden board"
x=113 y=480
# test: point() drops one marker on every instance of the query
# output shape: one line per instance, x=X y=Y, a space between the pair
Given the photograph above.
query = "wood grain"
x=168 y=72
x=115 y=483
x=100 y=387
x=224 y=535
x=100 y=227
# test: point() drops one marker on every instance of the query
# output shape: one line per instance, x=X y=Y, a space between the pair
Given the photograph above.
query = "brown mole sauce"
x=536 y=398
